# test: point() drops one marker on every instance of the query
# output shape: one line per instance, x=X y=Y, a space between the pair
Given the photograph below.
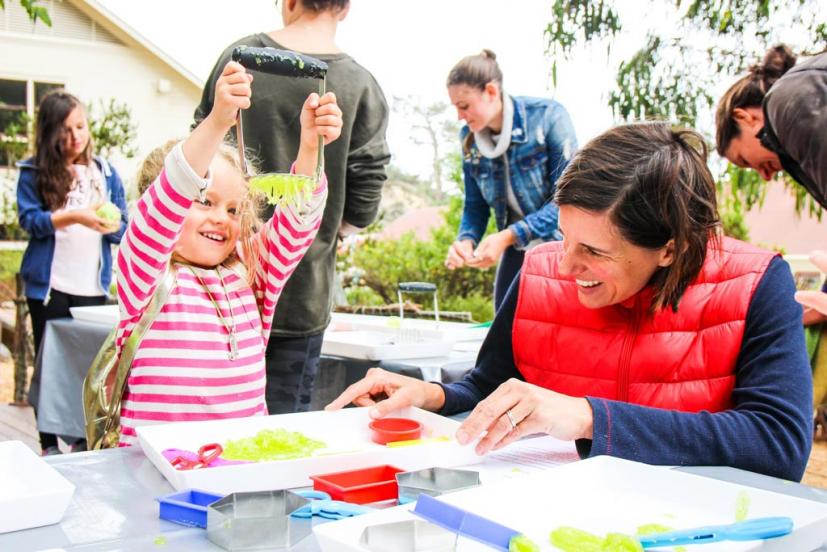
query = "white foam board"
x=376 y=345
x=32 y=493
x=606 y=494
x=345 y=432
x=103 y=314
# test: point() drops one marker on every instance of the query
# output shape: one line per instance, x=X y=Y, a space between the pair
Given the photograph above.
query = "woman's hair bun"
x=488 y=53
x=777 y=61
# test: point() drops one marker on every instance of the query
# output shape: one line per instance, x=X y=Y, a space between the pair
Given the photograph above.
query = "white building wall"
x=98 y=70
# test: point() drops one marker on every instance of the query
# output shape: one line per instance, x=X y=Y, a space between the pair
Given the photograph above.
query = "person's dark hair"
x=653 y=182
x=749 y=91
x=475 y=72
x=325 y=5
x=54 y=179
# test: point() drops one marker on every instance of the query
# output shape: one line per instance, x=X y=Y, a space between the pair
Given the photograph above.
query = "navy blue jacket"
x=36 y=219
x=769 y=429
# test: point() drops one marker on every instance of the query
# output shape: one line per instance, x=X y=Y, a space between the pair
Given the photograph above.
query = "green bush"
x=381 y=265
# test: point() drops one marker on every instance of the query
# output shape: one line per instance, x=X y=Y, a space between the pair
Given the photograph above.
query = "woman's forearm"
x=62 y=219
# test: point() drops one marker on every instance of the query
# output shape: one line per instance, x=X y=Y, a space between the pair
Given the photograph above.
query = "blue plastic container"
x=187 y=507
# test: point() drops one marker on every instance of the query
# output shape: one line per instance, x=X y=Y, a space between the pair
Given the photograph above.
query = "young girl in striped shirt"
x=202 y=358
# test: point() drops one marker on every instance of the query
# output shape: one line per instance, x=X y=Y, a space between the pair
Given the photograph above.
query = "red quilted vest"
x=681 y=360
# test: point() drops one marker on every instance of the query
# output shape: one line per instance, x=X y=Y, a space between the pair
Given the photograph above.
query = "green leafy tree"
x=672 y=73
x=34 y=11
x=432 y=126
x=112 y=130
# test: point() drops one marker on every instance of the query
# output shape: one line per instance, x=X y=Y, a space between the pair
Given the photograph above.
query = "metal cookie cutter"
x=434 y=482
x=257 y=520
x=413 y=535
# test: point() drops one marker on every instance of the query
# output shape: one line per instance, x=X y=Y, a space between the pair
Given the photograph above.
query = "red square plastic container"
x=362 y=486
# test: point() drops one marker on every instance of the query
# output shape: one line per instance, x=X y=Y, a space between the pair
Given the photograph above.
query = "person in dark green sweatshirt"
x=354 y=164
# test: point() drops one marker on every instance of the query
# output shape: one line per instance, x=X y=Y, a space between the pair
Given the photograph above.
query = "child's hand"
x=232 y=92
x=320 y=117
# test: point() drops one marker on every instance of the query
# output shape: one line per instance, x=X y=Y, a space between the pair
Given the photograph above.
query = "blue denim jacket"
x=542 y=143
x=36 y=219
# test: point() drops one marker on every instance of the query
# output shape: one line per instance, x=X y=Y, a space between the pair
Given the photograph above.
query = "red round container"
x=388 y=430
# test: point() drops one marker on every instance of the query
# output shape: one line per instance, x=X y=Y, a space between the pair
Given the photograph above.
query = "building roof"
x=130 y=36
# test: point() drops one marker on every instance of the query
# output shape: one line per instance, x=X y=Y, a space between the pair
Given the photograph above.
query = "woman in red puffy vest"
x=644 y=334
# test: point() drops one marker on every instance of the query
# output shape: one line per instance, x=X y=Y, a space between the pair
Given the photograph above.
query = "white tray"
x=448 y=331
x=103 y=314
x=384 y=345
x=345 y=432
x=32 y=493
x=606 y=494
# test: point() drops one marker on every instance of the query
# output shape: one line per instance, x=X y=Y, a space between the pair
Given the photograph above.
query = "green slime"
x=280 y=189
x=571 y=539
x=742 y=503
x=109 y=212
x=522 y=543
x=271 y=444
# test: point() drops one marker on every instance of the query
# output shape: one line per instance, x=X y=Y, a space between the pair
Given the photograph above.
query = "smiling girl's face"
x=211 y=228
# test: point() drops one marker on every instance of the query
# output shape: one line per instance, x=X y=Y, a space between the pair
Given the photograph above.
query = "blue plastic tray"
x=186 y=507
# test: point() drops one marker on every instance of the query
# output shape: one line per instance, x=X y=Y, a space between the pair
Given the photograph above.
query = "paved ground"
x=18 y=423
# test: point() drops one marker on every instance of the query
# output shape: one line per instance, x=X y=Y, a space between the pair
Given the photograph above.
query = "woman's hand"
x=87 y=217
x=814 y=300
x=517 y=409
x=232 y=92
x=459 y=253
x=319 y=117
x=491 y=248
x=387 y=392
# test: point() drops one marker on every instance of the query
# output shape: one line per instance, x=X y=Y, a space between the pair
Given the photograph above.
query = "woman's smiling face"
x=607 y=268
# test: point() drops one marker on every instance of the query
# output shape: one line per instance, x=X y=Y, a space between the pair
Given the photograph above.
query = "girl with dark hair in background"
x=68 y=261
x=644 y=334
x=513 y=150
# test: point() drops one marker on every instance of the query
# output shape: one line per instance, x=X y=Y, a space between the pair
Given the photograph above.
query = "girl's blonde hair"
x=249 y=209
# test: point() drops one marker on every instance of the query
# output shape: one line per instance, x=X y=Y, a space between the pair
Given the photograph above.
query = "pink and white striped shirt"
x=181 y=369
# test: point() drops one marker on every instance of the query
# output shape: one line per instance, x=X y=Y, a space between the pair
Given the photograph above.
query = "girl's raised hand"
x=320 y=117
x=232 y=92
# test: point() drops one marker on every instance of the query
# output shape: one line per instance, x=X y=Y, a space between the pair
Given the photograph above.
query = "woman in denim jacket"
x=514 y=149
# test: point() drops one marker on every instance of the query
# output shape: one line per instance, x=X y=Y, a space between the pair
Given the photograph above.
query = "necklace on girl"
x=232 y=354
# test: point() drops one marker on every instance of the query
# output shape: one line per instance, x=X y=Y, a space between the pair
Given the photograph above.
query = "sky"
x=409 y=47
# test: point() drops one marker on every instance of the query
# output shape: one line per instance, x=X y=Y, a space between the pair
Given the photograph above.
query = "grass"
x=9 y=266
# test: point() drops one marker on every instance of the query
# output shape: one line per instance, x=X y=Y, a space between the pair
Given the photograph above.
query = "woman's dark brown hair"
x=653 y=182
x=749 y=91
x=54 y=178
x=475 y=72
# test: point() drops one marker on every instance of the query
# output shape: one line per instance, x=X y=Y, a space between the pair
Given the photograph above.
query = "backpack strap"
x=130 y=346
